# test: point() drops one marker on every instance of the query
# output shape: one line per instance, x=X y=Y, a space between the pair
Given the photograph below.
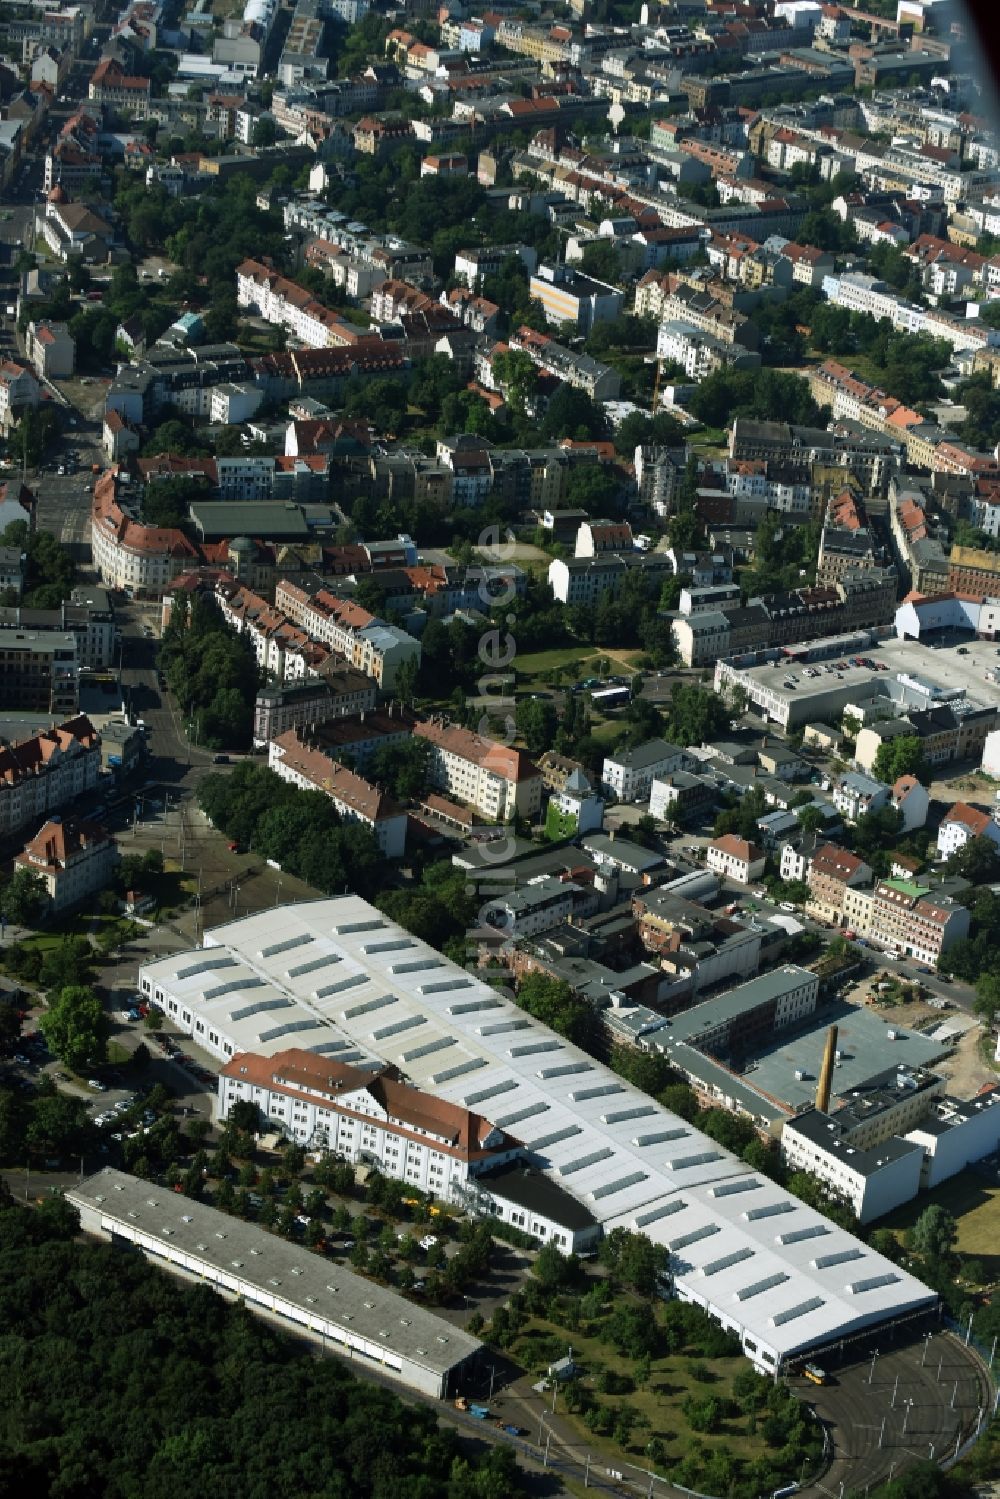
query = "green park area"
x=974 y=1203
x=705 y=1423
x=655 y=1382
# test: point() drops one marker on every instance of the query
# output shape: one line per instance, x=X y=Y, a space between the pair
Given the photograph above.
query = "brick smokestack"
x=826 y=1071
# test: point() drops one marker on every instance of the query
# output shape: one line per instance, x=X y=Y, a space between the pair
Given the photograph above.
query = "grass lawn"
x=534 y=663
x=710 y=437
x=608 y=731
x=975 y=1205
x=672 y=1380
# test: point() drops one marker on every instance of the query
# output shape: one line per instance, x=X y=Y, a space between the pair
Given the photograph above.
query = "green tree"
x=901 y=757
x=59 y=1126
x=553 y=1003
x=977 y=861
x=694 y=716
x=934 y=1235
x=402 y=768
x=25 y=898
x=516 y=373
x=264 y=132
x=634 y=1259
x=10 y=1030
x=537 y=723
x=76 y=1027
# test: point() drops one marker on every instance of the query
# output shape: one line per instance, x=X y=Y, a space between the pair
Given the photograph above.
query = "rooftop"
x=350 y=984
x=309 y=1281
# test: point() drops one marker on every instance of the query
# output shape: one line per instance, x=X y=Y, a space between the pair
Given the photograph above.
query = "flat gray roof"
x=288 y=1272
x=757 y=991
x=866 y=1052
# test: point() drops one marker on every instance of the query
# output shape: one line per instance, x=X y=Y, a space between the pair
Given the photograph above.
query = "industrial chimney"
x=826 y=1071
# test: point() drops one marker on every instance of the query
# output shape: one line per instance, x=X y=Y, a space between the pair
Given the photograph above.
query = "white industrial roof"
x=337 y=977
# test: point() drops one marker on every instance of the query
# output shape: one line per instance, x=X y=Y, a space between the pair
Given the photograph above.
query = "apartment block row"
x=294 y=636
x=859 y=599
x=911 y=917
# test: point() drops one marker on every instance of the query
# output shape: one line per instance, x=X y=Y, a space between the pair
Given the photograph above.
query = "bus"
x=814 y=1373
x=610 y=697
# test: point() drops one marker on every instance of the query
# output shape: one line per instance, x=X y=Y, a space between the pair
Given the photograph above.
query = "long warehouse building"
x=338 y=978
x=366 y=1323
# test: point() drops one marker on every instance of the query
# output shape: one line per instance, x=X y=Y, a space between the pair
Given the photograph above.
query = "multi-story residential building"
x=568 y=296
x=871 y=457
x=974 y=571
x=355 y=799
x=112 y=86
x=38 y=776
x=856 y=795
x=498 y=781
x=833 y=870
x=76 y=859
x=278 y=300
x=574 y=808
x=960 y=824
x=51 y=349
x=600 y=381
x=700 y=353
x=597 y=537
x=290 y=705
x=141 y=560
x=703 y=637
x=368 y=643
x=911 y=918
x=371 y=1118
x=735 y=859
x=681 y=795
x=912 y=802
x=19 y=392
x=629 y=775
x=39 y=671
x=583 y=580
x=473 y=265
x=658 y=473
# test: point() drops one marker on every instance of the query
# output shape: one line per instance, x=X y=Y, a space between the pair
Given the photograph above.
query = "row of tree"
x=201 y=1397
x=212 y=672
x=300 y=830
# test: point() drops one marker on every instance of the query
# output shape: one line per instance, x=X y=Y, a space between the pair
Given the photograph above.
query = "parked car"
x=97 y=1085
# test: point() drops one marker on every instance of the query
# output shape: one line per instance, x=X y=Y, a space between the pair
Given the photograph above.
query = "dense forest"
x=120 y=1382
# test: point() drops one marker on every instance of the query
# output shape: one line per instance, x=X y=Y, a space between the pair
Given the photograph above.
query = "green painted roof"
x=908 y=887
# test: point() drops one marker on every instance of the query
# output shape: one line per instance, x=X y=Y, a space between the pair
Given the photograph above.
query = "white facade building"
x=75 y=859
x=960 y=824
x=355 y=799
x=871 y=1181
x=629 y=776
x=500 y=782
x=370 y=1325
x=369 y=1118
x=735 y=859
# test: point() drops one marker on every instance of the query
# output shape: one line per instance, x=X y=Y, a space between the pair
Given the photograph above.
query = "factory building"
x=349 y=984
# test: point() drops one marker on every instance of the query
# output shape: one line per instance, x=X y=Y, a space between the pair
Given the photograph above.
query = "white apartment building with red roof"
x=369 y=1117
x=960 y=824
x=735 y=859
